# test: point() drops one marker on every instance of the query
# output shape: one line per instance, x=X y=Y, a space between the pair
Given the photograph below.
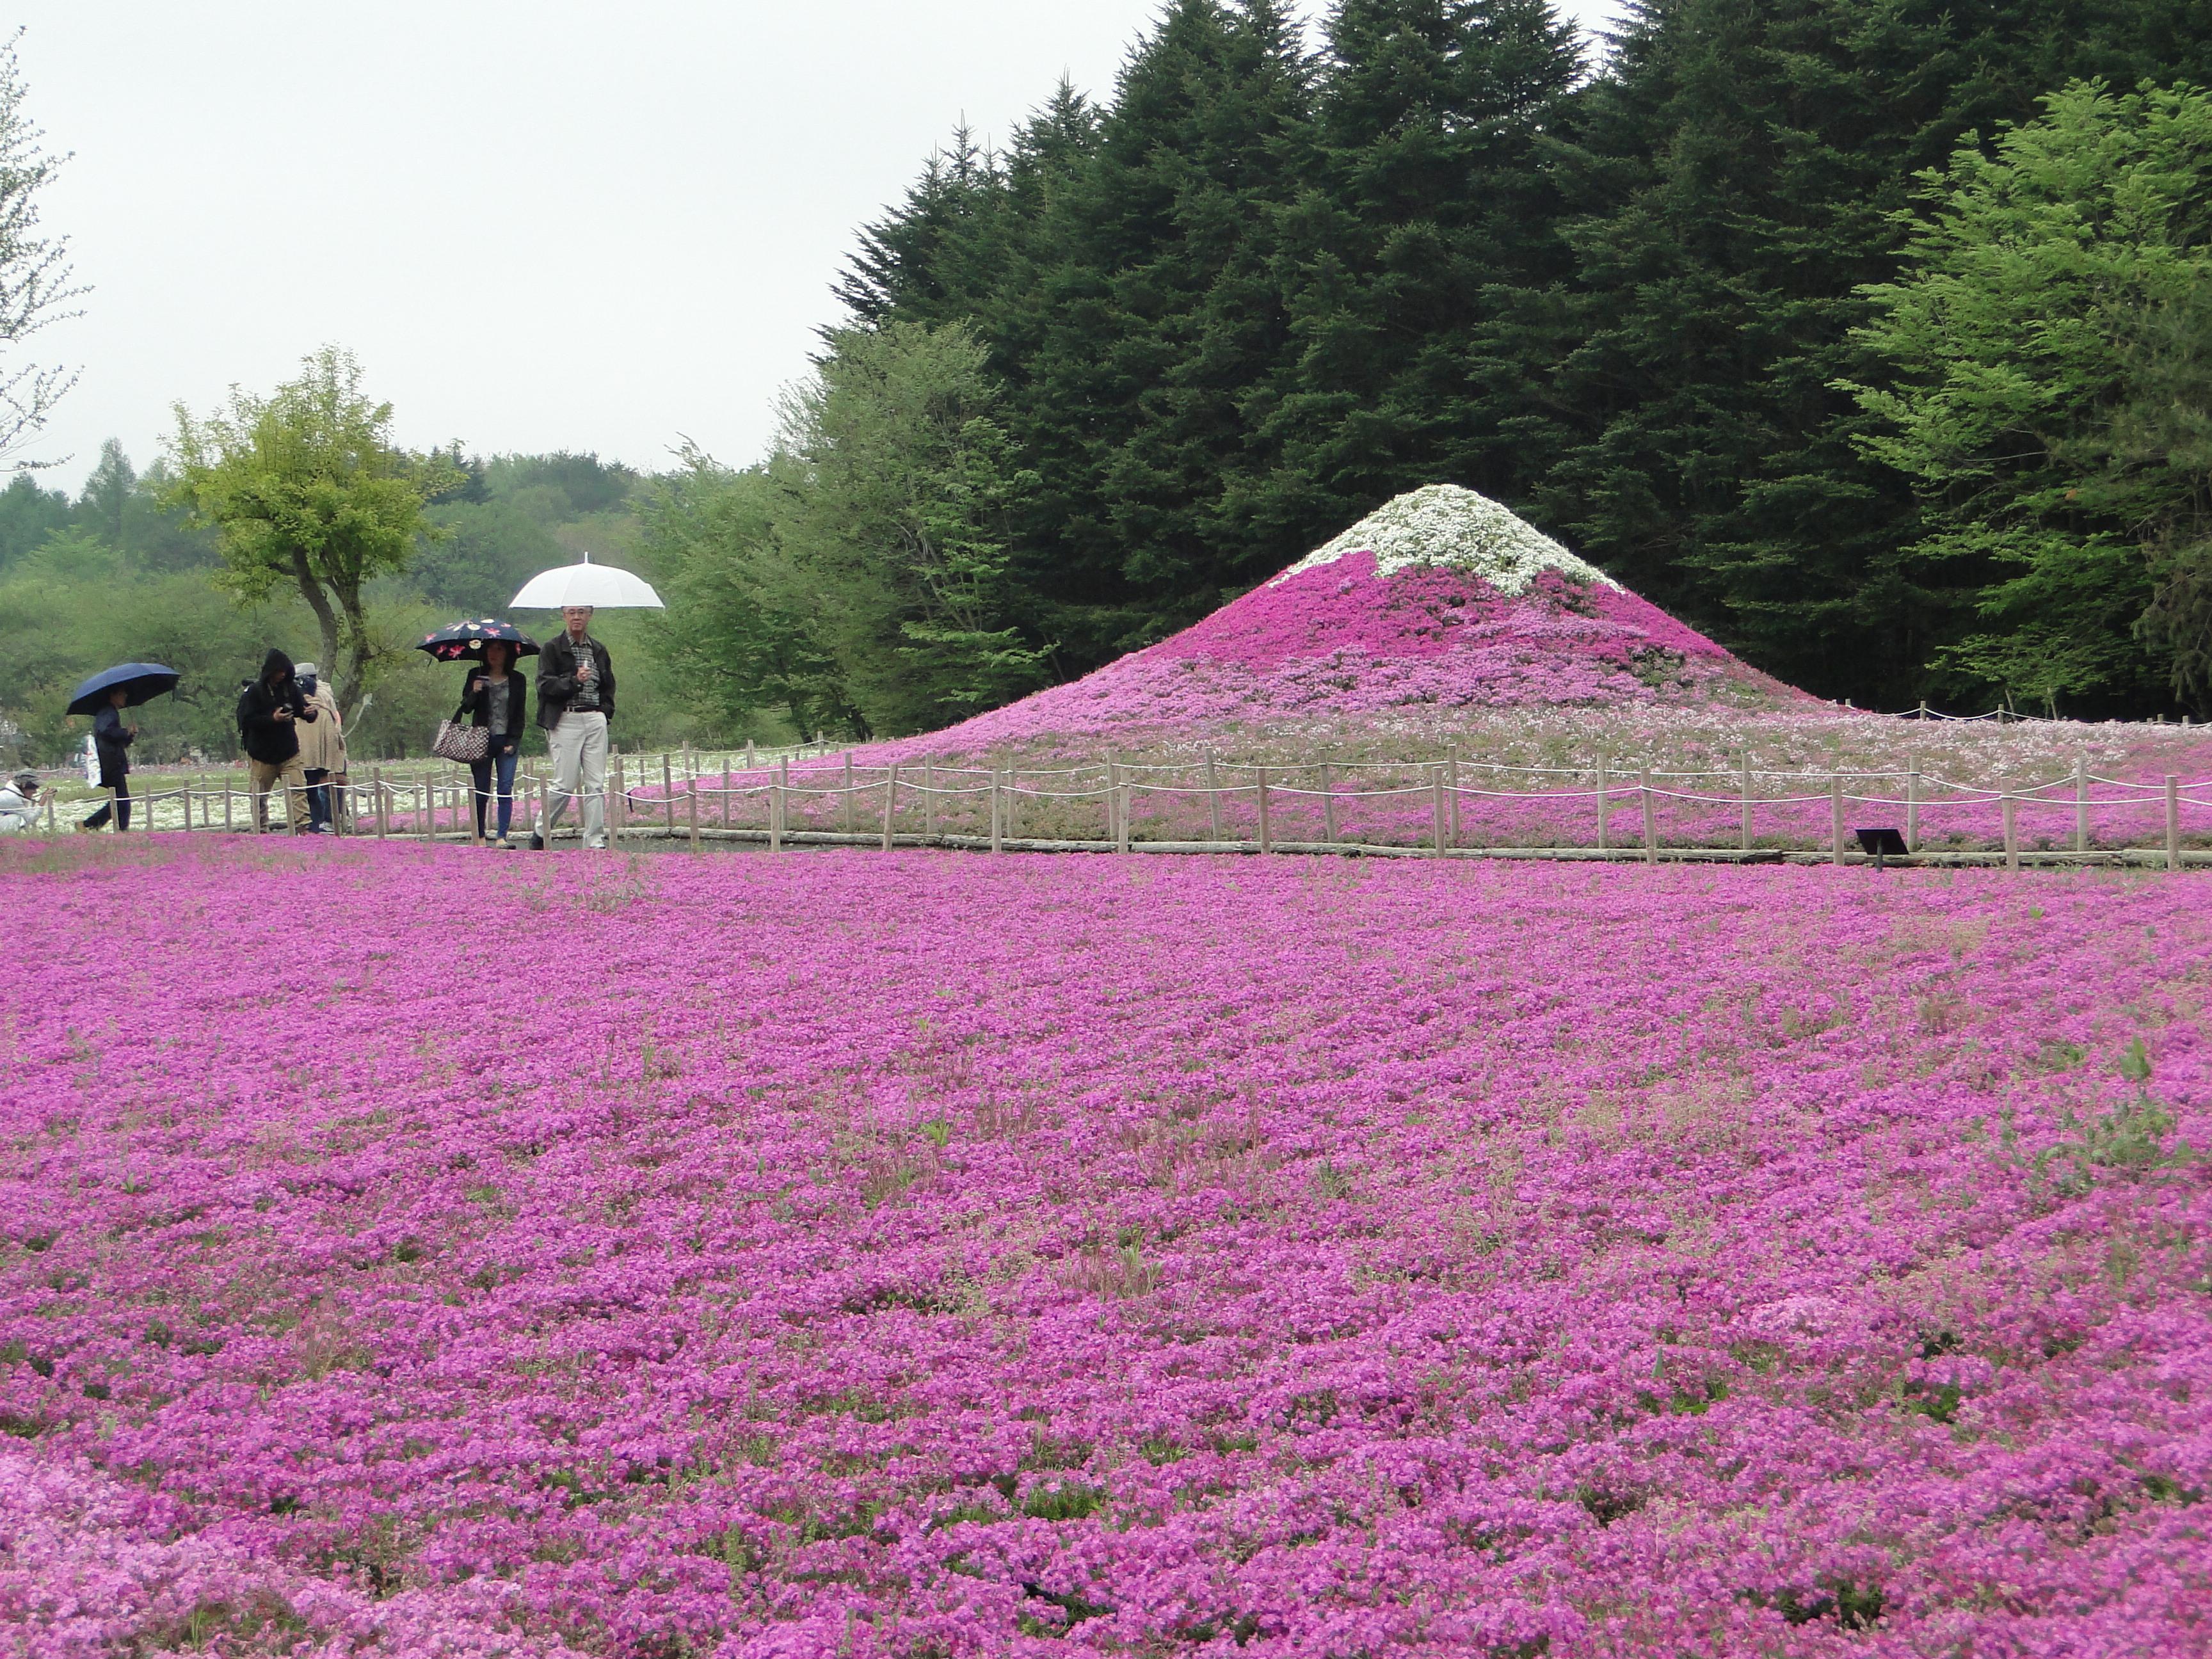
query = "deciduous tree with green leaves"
x=898 y=470
x=729 y=636
x=306 y=491
x=863 y=576
x=2047 y=392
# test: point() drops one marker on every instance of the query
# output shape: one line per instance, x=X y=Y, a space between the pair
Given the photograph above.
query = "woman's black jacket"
x=476 y=699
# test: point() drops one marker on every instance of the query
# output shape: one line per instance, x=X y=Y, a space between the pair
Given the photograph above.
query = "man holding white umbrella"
x=576 y=685
x=575 y=700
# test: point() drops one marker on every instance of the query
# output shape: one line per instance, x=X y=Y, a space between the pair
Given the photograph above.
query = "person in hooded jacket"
x=271 y=711
x=111 y=741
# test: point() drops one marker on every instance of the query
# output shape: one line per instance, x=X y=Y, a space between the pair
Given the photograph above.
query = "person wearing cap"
x=19 y=804
x=322 y=749
x=576 y=701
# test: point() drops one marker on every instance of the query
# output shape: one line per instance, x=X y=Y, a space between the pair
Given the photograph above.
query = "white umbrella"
x=594 y=585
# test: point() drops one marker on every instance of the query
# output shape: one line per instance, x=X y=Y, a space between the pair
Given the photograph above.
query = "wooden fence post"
x=1744 y=832
x=49 y=809
x=929 y=798
x=997 y=829
x=691 y=789
x=544 y=819
x=1912 y=810
x=1436 y=807
x=1835 y=820
x=1451 y=778
x=2173 y=822
x=748 y=754
x=2011 y=810
x=422 y=788
x=2080 y=803
x=1328 y=803
x=1213 y=796
x=1114 y=802
x=1604 y=806
x=845 y=816
x=376 y=786
x=668 y=791
x=225 y=803
x=1122 y=821
x=775 y=818
x=1266 y=836
x=1651 y=821
x=188 y=808
x=890 y=802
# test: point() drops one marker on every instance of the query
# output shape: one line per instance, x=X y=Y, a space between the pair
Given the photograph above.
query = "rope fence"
x=1448 y=807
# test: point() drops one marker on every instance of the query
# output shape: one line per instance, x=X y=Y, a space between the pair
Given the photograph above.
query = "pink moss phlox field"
x=409 y=1249
x=1338 y=639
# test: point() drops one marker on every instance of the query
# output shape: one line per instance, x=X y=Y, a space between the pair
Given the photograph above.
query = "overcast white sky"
x=541 y=224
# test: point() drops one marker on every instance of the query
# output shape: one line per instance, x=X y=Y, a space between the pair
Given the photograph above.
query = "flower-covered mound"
x=1440 y=601
x=410 y=1250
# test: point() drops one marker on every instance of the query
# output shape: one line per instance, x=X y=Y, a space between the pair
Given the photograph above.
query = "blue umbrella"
x=143 y=680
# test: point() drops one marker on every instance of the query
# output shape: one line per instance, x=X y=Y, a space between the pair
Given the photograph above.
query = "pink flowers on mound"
x=1337 y=639
x=863 y=1253
x=1440 y=600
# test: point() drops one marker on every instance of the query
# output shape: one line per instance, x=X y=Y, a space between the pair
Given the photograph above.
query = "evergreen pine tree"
x=1164 y=328
x=1741 y=177
x=1433 y=211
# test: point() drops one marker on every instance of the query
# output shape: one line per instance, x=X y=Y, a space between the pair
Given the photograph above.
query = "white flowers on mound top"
x=1456 y=528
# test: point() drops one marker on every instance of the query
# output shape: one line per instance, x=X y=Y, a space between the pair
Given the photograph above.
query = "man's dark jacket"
x=111 y=740
x=268 y=739
x=556 y=678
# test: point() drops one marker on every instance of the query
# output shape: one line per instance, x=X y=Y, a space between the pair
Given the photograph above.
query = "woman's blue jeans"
x=499 y=759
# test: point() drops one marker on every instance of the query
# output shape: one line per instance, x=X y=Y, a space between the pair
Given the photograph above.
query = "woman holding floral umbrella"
x=495 y=700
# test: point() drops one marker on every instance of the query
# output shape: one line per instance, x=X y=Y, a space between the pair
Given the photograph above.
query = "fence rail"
x=1448 y=807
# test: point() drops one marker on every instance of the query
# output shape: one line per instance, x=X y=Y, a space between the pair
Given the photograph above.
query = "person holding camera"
x=322 y=749
x=19 y=804
x=271 y=711
x=576 y=701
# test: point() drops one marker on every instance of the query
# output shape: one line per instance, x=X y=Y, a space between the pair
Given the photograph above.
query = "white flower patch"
x=1442 y=524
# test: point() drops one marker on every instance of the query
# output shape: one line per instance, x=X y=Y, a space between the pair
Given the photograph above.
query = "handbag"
x=456 y=742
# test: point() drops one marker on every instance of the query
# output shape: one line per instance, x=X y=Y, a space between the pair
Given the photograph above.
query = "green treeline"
x=118 y=573
x=1858 y=332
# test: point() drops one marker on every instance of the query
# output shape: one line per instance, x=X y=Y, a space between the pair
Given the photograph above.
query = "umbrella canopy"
x=143 y=680
x=464 y=641
x=588 y=584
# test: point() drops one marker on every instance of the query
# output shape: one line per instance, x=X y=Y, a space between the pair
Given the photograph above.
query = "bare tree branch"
x=36 y=279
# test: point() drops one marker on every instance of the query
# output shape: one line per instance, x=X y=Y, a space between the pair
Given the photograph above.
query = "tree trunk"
x=350 y=675
x=318 y=601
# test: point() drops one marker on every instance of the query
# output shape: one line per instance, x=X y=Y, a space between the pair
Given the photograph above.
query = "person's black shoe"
x=537 y=841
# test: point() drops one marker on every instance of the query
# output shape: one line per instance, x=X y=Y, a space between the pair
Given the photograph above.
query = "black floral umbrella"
x=464 y=641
